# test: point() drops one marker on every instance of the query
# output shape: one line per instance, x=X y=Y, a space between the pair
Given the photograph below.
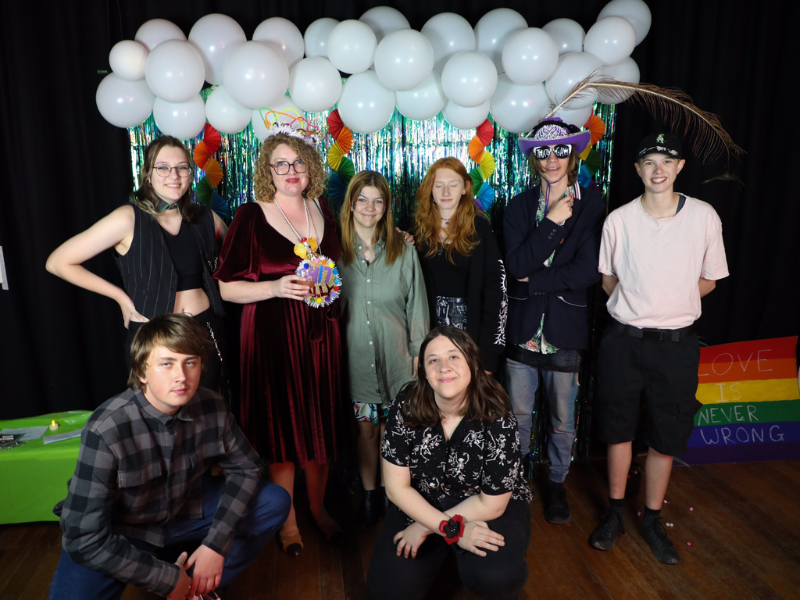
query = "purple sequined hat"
x=552 y=132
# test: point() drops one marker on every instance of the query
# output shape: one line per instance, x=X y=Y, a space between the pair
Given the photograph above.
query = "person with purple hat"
x=552 y=240
x=659 y=255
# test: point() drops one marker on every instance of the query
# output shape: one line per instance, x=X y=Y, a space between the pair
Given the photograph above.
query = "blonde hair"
x=461 y=234
x=384 y=230
x=262 y=179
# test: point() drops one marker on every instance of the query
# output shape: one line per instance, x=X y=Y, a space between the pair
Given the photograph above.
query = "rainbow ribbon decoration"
x=337 y=158
x=202 y=156
x=484 y=194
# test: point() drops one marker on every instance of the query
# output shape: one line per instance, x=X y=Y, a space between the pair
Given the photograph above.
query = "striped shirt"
x=138 y=469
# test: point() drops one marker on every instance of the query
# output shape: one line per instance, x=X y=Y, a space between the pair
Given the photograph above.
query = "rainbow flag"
x=750 y=403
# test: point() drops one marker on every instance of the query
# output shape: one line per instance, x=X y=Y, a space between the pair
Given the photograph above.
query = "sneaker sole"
x=558 y=521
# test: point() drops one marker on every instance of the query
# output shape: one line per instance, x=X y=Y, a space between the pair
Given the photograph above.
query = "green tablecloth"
x=33 y=476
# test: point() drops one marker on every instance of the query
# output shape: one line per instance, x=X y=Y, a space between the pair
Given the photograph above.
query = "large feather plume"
x=673 y=106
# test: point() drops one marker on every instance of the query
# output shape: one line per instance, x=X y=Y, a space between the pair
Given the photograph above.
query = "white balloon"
x=572 y=68
x=284 y=36
x=469 y=78
x=124 y=103
x=184 y=120
x=174 y=71
x=636 y=11
x=156 y=31
x=366 y=106
x=215 y=36
x=384 y=20
x=127 y=60
x=316 y=36
x=424 y=101
x=517 y=108
x=494 y=29
x=627 y=71
x=462 y=117
x=403 y=60
x=530 y=56
x=448 y=33
x=611 y=39
x=284 y=105
x=315 y=84
x=577 y=117
x=567 y=34
x=255 y=75
x=224 y=113
x=351 y=46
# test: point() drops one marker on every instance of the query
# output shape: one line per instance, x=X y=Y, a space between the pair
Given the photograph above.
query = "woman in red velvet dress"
x=292 y=404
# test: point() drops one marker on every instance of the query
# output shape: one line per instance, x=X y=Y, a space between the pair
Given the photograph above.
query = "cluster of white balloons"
x=501 y=66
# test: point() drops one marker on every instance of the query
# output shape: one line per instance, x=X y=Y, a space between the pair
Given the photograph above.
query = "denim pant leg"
x=266 y=512
x=522 y=382
x=72 y=581
x=562 y=391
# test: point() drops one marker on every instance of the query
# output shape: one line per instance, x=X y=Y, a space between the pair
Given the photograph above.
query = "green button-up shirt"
x=387 y=319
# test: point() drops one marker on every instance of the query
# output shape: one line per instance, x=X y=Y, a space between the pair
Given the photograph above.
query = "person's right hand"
x=184 y=584
x=561 y=210
x=291 y=286
x=129 y=313
x=477 y=535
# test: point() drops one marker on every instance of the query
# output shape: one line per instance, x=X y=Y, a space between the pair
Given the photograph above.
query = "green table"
x=34 y=475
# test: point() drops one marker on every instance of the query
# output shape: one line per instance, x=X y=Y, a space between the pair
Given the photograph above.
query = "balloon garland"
x=483 y=192
x=337 y=159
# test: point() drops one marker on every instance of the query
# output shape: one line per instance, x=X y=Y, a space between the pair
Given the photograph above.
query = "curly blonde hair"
x=262 y=179
x=461 y=235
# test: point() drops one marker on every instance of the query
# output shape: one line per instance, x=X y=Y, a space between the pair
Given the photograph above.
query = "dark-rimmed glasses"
x=282 y=167
x=165 y=171
x=561 y=151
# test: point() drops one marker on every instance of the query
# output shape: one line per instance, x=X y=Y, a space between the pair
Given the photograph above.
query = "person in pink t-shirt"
x=659 y=255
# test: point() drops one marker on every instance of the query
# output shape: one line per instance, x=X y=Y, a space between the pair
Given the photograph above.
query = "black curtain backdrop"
x=64 y=167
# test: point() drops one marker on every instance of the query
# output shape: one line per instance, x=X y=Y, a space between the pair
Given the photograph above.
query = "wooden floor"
x=736 y=526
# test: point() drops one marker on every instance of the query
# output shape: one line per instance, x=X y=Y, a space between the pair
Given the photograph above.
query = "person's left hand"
x=410 y=539
x=207 y=570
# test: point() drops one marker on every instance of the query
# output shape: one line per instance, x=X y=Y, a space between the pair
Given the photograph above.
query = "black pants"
x=213 y=324
x=500 y=575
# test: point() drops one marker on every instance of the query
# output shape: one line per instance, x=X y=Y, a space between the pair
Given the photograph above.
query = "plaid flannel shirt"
x=139 y=468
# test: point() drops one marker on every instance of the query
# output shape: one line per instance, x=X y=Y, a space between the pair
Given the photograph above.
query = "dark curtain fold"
x=64 y=167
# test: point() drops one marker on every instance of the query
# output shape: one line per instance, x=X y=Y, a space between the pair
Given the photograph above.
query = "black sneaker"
x=605 y=536
x=557 y=508
x=656 y=536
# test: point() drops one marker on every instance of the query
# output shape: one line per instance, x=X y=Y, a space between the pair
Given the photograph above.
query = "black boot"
x=557 y=511
x=370 y=509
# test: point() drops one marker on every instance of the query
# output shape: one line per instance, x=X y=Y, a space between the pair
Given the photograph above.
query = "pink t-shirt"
x=659 y=262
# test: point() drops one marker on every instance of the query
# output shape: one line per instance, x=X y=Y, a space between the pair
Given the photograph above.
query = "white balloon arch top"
x=502 y=66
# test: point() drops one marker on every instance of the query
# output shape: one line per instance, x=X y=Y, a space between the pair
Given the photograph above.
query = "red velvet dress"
x=292 y=406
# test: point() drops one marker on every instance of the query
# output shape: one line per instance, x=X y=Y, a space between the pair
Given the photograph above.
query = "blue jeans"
x=266 y=513
x=562 y=391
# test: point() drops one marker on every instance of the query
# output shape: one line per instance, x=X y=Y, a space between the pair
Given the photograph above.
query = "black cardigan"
x=487 y=304
x=560 y=290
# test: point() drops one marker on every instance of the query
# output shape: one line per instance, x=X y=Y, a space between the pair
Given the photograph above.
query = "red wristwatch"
x=452 y=529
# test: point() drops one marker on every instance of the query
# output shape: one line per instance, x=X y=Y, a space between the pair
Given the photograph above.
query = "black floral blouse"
x=477 y=458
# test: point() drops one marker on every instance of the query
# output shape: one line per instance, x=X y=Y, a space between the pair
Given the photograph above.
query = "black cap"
x=661 y=143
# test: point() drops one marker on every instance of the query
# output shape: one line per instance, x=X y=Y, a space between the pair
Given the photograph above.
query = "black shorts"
x=656 y=378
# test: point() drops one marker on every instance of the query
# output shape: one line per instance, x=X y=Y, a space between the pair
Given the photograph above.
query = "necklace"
x=446 y=221
x=319 y=270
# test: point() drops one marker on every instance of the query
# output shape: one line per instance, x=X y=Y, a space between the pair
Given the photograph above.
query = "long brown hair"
x=486 y=400
x=384 y=229
x=461 y=234
x=146 y=198
x=263 y=184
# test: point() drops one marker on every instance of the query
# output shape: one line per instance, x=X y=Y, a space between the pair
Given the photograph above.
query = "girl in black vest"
x=166 y=249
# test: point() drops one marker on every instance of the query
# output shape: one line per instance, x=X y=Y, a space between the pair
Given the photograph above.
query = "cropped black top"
x=186 y=259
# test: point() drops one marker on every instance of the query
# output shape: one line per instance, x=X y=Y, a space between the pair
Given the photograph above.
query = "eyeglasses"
x=561 y=151
x=165 y=171
x=282 y=167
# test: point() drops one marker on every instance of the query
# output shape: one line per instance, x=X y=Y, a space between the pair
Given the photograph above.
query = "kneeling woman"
x=452 y=467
